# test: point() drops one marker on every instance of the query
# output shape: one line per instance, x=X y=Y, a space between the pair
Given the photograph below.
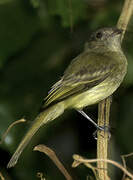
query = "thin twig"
x=9 y=128
x=1 y=176
x=70 y=15
x=104 y=106
x=80 y=159
x=124 y=162
x=51 y=154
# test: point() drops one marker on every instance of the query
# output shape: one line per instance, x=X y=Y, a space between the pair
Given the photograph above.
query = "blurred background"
x=38 y=39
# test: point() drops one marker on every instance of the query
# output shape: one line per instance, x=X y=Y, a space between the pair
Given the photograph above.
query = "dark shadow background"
x=38 y=39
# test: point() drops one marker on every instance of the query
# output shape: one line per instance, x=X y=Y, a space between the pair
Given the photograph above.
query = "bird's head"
x=108 y=38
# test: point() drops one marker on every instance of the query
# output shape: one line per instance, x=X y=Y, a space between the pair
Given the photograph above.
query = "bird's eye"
x=99 y=35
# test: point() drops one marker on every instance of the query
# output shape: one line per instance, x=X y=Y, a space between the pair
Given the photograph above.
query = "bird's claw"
x=102 y=128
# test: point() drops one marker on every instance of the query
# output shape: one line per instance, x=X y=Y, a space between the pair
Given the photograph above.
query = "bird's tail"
x=43 y=118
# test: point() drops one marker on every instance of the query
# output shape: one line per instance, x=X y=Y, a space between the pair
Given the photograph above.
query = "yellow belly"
x=92 y=96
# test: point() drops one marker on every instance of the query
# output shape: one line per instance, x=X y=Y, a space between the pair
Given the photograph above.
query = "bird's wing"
x=81 y=75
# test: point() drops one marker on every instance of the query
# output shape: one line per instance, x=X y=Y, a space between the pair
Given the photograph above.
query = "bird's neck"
x=104 y=48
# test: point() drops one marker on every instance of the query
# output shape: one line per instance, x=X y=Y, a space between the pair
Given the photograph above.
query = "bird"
x=92 y=76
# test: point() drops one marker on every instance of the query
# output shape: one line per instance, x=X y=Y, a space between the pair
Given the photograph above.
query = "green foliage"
x=68 y=11
x=18 y=25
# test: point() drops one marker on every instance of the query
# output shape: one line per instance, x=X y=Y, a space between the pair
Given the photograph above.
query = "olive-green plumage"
x=91 y=77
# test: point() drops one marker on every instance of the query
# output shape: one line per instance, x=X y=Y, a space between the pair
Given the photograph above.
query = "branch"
x=51 y=154
x=103 y=137
x=9 y=128
x=104 y=106
x=79 y=159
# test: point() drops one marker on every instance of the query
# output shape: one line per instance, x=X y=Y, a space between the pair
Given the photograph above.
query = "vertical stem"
x=125 y=16
x=102 y=141
x=104 y=106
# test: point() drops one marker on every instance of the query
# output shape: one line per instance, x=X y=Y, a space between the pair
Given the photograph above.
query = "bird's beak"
x=117 y=31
